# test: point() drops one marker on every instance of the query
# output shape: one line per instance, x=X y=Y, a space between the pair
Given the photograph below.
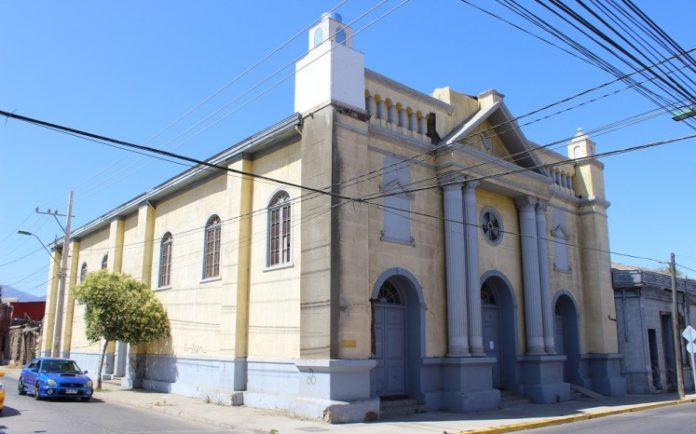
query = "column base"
x=240 y=374
x=335 y=390
x=602 y=373
x=135 y=370
x=541 y=378
x=109 y=362
x=467 y=384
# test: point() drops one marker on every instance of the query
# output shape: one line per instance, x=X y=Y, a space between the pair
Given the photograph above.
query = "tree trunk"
x=101 y=365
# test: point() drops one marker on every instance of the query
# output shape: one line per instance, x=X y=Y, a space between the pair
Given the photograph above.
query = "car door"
x=31 y=373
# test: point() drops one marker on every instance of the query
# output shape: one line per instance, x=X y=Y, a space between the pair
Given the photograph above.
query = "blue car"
x=48 y=377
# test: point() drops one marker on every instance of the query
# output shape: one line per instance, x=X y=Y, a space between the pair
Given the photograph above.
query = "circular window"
x=492 y=225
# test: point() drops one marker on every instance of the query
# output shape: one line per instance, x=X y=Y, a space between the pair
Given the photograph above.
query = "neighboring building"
x=644 y=319
x=5 y=321
x=15 y=313
x=34 y=310
x=322 y=305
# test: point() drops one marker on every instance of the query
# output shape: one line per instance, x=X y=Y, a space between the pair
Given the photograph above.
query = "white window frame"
x=212 y=228
x=282 y=204
x=165 y=264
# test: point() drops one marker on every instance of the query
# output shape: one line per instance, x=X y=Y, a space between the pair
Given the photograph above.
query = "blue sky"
x=129 y=69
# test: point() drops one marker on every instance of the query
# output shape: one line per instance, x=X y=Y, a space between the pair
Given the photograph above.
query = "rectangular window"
x=275 y=236
x=397 y=205
x=286 y=233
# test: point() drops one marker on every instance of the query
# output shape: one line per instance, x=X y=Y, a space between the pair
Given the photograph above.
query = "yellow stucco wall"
x=274 y=313
x=195 y=305
x=425 y=260
x=132 y=246
x=92 y=249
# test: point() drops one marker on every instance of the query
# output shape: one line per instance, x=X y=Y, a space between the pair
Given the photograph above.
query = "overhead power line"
x=667 y=88
x=540 y=166
x=86 y=134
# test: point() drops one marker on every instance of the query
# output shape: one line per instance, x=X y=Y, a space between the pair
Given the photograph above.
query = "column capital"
x=450 y=179
x=542 y=204
x=471 y=184
x=525 y=203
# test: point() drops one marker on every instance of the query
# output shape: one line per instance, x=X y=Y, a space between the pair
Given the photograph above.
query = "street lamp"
x=62 y=275
x=40 y=242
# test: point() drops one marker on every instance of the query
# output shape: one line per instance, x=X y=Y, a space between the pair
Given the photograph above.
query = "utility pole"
x=675 y=330
x=58 y=329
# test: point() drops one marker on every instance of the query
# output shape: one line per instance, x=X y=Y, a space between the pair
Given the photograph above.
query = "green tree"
x=120 y=308
x=667 y=269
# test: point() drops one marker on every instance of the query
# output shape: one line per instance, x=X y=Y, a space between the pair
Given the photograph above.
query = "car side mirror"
x=85 y=372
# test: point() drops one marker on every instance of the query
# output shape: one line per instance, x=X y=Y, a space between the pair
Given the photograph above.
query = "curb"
x=576 y=418
x=166 y=409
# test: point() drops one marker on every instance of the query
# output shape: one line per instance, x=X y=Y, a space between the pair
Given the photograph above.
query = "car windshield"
x=60 y=366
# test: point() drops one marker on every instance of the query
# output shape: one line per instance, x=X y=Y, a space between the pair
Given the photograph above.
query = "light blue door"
x=491 y=341
x=390 y=348
x=558 y=335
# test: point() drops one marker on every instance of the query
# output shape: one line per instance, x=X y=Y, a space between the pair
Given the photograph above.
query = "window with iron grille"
x=211 y=256
x=279 y=230
x=165 y=267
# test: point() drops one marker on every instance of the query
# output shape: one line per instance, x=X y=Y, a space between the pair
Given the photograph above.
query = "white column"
x=544 y=279
x=457 y=343
x=473 y=277
x=530 y=275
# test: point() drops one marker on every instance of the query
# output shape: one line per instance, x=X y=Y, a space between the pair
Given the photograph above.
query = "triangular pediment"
x=494 y=130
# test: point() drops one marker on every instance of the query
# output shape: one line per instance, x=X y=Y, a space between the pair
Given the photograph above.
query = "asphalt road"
x=679 y=419
x=25 y=415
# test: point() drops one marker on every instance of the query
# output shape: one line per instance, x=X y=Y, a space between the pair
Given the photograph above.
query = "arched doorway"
x=396 y=335
x=567 y=338
x=499 y=329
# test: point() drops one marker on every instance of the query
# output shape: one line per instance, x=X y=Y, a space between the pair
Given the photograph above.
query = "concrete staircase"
x=509 y=399
x=391 y=408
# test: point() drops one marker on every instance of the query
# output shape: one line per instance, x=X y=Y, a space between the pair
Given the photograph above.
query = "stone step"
x=579 y=392
x=399 y=407
x=509 y=399
x=112 y=380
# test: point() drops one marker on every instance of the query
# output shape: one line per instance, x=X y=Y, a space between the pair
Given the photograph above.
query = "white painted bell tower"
x=332 y=71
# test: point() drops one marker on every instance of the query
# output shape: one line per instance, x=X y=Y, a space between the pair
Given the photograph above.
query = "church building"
x=417 y=247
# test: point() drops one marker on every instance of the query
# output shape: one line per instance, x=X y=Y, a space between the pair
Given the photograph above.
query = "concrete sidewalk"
x=245 y=419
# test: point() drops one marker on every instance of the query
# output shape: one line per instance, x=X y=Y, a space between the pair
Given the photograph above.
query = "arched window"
x=105 y=262
x=211 y=256
x=165 y=266
x=279 y=230
x=341 y=36
x=318 y=37
x=83 y=272
x=389 y=294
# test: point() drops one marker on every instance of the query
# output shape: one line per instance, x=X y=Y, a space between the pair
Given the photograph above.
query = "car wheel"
x=37 y=394
x=20 y=387
x=85 y=398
